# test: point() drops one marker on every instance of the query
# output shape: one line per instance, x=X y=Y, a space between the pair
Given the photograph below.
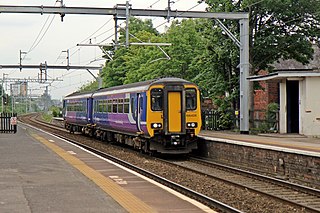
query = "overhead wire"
x=87 y=38
x=154 y=3
x=180 y=13
x=37 y=40
x=96 y=31
x=119 y=26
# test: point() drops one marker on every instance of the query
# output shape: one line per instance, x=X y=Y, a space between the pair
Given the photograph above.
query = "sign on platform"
x=13 y=121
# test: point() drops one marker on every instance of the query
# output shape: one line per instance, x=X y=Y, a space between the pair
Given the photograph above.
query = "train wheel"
x=71 y=130
x=109 y=137
x=104 y=136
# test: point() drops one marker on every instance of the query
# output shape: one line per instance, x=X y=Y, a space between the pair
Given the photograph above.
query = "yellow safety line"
x=127 y=200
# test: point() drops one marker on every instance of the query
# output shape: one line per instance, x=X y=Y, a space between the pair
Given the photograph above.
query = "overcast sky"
x=23 y=32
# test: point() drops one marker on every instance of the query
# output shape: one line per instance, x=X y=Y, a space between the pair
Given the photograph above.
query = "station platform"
x=42 y=173
x=294 y=143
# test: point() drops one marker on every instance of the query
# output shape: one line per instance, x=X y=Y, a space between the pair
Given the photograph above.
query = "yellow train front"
x=173 y=116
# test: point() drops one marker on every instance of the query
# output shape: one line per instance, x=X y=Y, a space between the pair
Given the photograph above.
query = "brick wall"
x=295 y=167
x=267 y=95
x=262 y=97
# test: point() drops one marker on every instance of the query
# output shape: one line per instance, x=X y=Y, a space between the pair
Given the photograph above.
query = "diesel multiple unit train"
x=161 y=115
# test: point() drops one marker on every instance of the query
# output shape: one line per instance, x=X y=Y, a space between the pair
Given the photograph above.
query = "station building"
x=299 y=100
x=296 y=88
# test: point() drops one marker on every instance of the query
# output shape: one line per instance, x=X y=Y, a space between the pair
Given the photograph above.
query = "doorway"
x=293 y=106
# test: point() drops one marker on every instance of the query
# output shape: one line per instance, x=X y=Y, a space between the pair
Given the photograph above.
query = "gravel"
x=241 y=199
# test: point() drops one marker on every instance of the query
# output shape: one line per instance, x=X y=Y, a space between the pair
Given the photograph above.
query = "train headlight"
x=156 y=125
x=192 y=124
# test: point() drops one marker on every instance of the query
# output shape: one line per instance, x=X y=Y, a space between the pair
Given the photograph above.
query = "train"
x=155 y=116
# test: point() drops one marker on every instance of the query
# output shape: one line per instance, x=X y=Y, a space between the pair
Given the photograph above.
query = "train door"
x=139 y=104
x=174 y=111
x=89 y=109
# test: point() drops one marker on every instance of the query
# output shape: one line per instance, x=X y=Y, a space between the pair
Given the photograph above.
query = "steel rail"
x=251 y=175
x=212 y=203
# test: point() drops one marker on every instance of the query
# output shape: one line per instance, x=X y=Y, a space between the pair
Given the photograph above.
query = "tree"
x=126 y=60
x=279 y=29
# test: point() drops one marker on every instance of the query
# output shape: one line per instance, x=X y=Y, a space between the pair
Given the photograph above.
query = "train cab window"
x=191 y=99
x=156 y=99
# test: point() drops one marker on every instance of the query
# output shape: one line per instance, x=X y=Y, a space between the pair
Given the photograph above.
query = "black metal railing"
x=8 y=122
x=260 y=120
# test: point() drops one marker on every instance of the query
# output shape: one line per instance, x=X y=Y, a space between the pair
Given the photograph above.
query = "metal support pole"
x=11 y=93
x=244 y=74
x=68 y=60
x=127 y=23
x=115 y=33
x=2 y=94
x=99 y=79
x=169 y=9
x=26 y=103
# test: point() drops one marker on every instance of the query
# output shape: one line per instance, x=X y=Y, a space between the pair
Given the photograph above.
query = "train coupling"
x=175 y=140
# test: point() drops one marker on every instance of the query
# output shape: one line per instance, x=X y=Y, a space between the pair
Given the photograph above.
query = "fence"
x=261 y=120
x=8 y=122
x=218 y=120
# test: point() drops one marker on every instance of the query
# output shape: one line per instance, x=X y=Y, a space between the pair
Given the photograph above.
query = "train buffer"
x=8 y=122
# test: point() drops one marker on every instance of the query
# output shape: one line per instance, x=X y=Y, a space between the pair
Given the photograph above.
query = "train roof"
x=76 y=95
x=138 y=86
x=133 y=87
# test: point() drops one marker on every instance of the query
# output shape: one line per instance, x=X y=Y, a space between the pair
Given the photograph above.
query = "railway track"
x=227 y=188
x=300 y=196
x=212 y=203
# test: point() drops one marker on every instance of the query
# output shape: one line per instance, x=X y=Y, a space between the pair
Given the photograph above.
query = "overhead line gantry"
x=123 y=12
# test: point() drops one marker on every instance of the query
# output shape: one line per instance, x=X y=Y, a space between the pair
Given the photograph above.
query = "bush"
x=271 y=116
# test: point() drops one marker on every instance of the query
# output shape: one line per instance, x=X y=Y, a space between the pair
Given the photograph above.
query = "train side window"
x=114 y=106
x=83 y=106
x=109 y=106
x=120 y=105
x=126 y=105
x=191 y=99
x=132 y=104
x=105 y=106
x=94 y=106
x=100 y=106
x=156 y=99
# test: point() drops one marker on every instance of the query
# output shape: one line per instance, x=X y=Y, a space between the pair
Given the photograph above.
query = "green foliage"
x=55 y=111
x=139 y=63
x=278 y=29
x=271 y=116
x=47 y=117
x=90 y=87
x=226 y=112
x=202 y=53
